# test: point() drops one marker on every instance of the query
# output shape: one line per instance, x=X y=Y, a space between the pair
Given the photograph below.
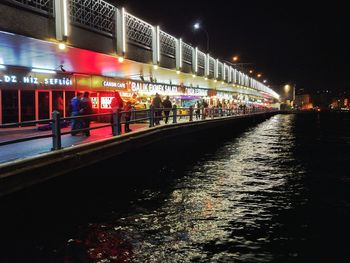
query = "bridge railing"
x=151 y=116
x=45 y=7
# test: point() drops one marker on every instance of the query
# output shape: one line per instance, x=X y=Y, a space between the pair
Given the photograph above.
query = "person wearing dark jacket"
x=74 y=107
x=117 y=105
x=86 y=109
x=157 y=104
x=167 y=108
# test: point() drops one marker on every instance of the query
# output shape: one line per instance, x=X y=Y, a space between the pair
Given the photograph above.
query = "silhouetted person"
x=157 y=104
x=127 y=109
x=167 y=108
x=86 y=109
x=117 y=105
x=75 y=106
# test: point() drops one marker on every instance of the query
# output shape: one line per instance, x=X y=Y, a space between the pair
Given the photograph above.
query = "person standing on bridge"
x=167 y=108
x=117 y=105
x=86 y=109
x=75 y=106
x=157 y=104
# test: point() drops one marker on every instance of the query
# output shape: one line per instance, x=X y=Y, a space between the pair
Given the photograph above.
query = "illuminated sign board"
x=94 y=101
x=34 y=80
x=106 y=102
x=154 y=88
x=196 y=92
x=113 y=84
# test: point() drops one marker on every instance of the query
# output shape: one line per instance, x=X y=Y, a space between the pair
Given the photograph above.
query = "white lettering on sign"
x=154 y=88
x=60 y=82
x=9 y=79
x=30 y=80
x=112 y=84
x=197 y=92
x=106 y=102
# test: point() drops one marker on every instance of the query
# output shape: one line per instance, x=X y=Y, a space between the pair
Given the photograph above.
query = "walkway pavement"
x=25 y=149
x=20 y=150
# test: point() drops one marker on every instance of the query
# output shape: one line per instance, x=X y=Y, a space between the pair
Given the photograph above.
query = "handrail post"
x=151 y=116
x=174 y=114
x=115 y=123
x=56 y=131
x=191 y=113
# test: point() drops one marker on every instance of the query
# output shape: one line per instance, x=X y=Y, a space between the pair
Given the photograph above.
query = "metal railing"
x=45 y=7
x=94 y=14
x=152 y=116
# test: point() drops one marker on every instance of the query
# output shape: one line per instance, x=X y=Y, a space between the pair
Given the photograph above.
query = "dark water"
x=277 y=191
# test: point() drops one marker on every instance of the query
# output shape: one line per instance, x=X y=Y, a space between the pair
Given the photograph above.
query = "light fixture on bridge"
x=47 y=71
x=61 y=46
x=120 y=59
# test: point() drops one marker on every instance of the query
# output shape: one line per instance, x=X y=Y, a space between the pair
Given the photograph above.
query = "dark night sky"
x=287 y=41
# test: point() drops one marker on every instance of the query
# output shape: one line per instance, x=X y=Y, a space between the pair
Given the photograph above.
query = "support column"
x=61 y=19
x=120 y=31
x=178 y=54
x=156 y=45
x=195 y=60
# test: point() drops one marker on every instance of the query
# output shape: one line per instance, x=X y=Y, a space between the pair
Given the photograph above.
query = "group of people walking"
x=118 y=106
x=81 y=105
x=159 y=107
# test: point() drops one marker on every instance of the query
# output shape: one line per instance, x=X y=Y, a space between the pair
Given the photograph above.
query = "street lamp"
x=197 y=26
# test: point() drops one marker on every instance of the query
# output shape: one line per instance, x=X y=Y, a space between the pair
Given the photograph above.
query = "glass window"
x=9 y=106
x=57 y=102
x=44 y=111
x=28 y=105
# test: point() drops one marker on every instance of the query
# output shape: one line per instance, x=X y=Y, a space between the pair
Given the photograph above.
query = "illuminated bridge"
x=49 y=48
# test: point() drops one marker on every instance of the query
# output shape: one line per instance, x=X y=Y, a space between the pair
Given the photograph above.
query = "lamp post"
x=197 y=26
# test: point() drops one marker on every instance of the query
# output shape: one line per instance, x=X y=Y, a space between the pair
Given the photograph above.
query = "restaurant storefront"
x=26 y=95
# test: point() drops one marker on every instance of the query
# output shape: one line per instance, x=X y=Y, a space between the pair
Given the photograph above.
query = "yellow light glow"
x=120 y=59
x=215 y=80
x=177 y=72
x=193 y=76
x=155 y=67
x=61 y=46
x=205 y=78
x=235 y=58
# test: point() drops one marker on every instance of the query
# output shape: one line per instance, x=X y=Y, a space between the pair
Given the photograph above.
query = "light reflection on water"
x=223 y=207
x=275 y=192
